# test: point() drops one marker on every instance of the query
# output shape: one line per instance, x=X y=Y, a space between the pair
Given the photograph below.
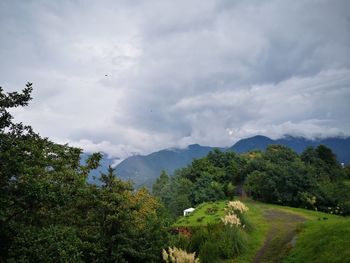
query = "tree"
x=49 y=213
x=40 y=180
x=180 y=190
x=161 y=188
x=207 y=189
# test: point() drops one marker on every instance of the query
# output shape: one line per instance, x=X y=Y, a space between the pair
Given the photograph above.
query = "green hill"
x=282 y=233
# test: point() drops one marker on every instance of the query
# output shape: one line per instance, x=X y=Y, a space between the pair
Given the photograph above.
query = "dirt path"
x=280 y=237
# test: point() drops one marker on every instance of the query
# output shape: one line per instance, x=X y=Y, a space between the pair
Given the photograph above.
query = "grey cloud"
x=178 y=72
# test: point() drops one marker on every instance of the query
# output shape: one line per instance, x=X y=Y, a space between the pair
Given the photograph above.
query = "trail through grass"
x=283 y=228
x=298 y=235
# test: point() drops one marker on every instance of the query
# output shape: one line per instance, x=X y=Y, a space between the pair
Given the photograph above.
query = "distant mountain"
x=258 y=142
x=143 y=170
x=340 y=146
x=95 y=174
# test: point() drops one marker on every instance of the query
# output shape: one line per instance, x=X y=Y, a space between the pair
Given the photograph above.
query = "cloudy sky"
x=128 y=77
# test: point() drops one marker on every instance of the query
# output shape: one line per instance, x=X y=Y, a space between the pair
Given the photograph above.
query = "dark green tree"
x=40 y=180
x=161 y=188
x=48 y=211
x=207 y=189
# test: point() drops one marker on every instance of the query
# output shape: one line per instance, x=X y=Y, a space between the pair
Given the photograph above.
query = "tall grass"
x=217 y=242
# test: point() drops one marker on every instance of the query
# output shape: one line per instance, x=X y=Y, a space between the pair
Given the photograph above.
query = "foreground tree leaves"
x=49 y=213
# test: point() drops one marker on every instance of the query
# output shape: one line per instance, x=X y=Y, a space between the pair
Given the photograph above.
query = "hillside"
x=282 y=233
x=144 y=169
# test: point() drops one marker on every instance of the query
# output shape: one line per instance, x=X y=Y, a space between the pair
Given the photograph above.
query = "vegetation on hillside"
x=313 y=180
x=223 y=234
x=277 y=233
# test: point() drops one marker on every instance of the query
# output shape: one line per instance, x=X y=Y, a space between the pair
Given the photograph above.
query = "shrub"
x=220 y=244
x=179 y=241
x=232 y=242
x=177 y=255
x=199 y=237
x=210 y=252
x=200 y=219
x=217 y=242
x=235 y=215
x=211 y=210
x=237 y=207
x=246 y=224
x=231 y=220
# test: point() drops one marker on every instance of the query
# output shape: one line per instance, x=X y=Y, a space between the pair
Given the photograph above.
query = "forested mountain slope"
x=143 y=170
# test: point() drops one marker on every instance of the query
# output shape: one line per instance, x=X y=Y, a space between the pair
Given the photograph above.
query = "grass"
x=204 y=214
x=256 y=238
x=323 y=241
x=255 y=216
x=321 y=238
x=308 y=214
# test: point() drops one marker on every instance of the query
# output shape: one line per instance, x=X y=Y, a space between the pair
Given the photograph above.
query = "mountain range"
x=143 y=170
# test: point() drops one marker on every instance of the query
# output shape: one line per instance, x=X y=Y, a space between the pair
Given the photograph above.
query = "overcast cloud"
x=178 y=72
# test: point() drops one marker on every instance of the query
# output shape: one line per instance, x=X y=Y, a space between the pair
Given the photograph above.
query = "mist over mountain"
x=340 y=146
x=144 y=169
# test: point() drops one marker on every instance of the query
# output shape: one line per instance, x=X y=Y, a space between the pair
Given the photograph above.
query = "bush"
x=200 y=219
x=211 y=210
x=232 y=242
x=210 y=252
x=217 y=242
x=217 y=246
x=176 y=255
x=235 y=215
x=199 y=237
x=179 y=241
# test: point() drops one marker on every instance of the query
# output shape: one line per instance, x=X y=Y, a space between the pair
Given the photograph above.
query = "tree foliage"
x=49 y=213
x=313 y=180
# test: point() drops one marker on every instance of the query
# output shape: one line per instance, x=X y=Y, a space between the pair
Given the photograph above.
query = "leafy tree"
x=323 y=163
x=49 y=213
x=161 y=188
x=181 y=189
x=279 y=154
x=207 y=189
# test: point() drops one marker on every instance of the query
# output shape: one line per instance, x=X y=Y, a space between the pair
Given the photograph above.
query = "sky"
x=132 y=77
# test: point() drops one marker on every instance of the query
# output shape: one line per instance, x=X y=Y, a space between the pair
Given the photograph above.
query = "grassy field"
x=205 y=213
x=322 y=241
x=321 y=237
